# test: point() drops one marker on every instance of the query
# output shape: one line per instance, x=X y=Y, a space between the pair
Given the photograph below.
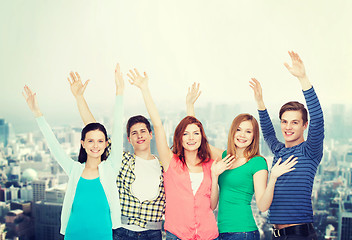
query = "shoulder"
x=258 y=162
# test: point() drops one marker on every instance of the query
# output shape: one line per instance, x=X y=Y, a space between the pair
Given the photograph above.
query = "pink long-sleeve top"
x=188 y=216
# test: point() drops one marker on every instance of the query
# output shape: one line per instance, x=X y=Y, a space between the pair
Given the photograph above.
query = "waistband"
x=149 y=225
x=299 y=230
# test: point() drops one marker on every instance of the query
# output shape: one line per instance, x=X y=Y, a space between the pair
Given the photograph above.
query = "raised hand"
x=77 y=88
x=297 y=69
x=193 y=94
x=279 y=169
x=120 y=84
x=31 y=100
x=219 y=166
x=258 y=94
x=138 y=80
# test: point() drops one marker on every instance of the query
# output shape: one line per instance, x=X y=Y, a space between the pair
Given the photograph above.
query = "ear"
x=151 y=134
x=106 y=143
x=128 y=139
x=82 y=143
x=305 y=125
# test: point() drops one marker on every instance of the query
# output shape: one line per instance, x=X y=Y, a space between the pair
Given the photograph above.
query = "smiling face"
x=292 y=128
x=94 y=143
x=192 y=138
x=140 y=137
x=243 y=135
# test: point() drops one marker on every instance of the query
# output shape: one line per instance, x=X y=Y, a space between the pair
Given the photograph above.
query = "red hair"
x=177 y=148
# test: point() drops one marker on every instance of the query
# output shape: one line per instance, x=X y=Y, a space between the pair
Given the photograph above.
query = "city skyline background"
x=221 y=45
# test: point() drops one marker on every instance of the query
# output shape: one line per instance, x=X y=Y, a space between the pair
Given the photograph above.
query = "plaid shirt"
x=138 y=213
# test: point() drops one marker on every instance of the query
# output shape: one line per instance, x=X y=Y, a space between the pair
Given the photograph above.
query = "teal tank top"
x=90 y=215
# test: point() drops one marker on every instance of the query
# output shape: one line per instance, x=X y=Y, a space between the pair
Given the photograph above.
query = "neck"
x=239 y=152
x=191 y=157
x=145 y=154
x=295 y=143
x=93 y=162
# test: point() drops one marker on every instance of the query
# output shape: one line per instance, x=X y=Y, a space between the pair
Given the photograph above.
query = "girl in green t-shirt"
x=248 y=175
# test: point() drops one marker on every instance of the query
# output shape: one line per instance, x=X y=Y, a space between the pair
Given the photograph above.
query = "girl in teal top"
x=240 y=173
x=91 y=207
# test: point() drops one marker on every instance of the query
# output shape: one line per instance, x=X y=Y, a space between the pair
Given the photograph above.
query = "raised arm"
x=115 y=157
x=265 y=121
x=298 y=70
x=258 y=94
x=55 y=148
x=141 y=82
x=316 y=124
x=191 y=97
x=264 y=193
x=77 y=89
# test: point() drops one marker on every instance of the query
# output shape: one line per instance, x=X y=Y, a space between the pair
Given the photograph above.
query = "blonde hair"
x=253 y=149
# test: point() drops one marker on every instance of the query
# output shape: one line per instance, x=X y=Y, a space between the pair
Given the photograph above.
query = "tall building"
x=39 y=187
x=345 y=226
x=4 y=132
x=47 y=214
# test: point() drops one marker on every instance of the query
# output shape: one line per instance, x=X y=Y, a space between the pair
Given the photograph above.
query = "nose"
x=288 y=126
x=139 y=136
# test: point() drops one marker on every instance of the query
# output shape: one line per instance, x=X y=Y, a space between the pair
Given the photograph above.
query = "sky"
x=220 y=44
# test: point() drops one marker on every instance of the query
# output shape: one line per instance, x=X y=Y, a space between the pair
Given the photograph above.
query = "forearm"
x=265 y=200
x=190 y=110
x=214 y=196
x=305 y=83
x=151 y=107
x=117 y=134
x=55 y=148
x=261 y=105
x=86 y=115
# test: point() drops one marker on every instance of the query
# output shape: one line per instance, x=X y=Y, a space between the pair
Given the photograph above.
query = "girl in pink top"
x=187 y=173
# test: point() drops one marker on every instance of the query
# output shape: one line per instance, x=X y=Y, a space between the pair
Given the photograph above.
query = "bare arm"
x=163 y=149
x=298 y=70
x=264 y=193
x=191 y=98
x=77 y=89
x=258 y=95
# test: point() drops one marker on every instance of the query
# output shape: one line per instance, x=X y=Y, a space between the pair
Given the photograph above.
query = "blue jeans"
x=254 y=235
x=170 y=236
x=125 y=234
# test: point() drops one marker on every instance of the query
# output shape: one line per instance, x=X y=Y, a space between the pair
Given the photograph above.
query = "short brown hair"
x=294 y=106
x=253 y=149
x=177 y=148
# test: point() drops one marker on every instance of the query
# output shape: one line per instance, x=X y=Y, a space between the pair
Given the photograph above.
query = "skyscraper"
x=345 y=226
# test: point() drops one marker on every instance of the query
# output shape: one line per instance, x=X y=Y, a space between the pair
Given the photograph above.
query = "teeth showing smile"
x=95 y=151
x=191 y=143
x=242 y=140
x=140 y=141
x=289 y=133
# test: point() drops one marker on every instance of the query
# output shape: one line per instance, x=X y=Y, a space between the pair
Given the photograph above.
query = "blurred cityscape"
x=33 y=184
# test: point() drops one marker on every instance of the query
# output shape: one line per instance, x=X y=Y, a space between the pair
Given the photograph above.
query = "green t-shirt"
x=236 y=192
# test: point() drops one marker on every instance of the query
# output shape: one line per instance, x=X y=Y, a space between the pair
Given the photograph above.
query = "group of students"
x=113 y=194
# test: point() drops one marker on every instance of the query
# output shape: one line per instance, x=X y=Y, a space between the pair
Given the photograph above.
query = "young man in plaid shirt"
x=140 y=181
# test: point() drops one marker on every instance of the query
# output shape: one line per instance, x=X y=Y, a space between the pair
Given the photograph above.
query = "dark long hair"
x=177 y=148
x=82 y=157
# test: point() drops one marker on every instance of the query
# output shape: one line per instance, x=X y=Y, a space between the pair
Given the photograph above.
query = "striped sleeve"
x=316 y=125
x=269 y=131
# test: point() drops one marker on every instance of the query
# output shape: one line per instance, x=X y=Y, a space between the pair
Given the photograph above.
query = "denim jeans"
x=254 y=235
x=311 y=236
x=125 y=234
x=170 y=236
